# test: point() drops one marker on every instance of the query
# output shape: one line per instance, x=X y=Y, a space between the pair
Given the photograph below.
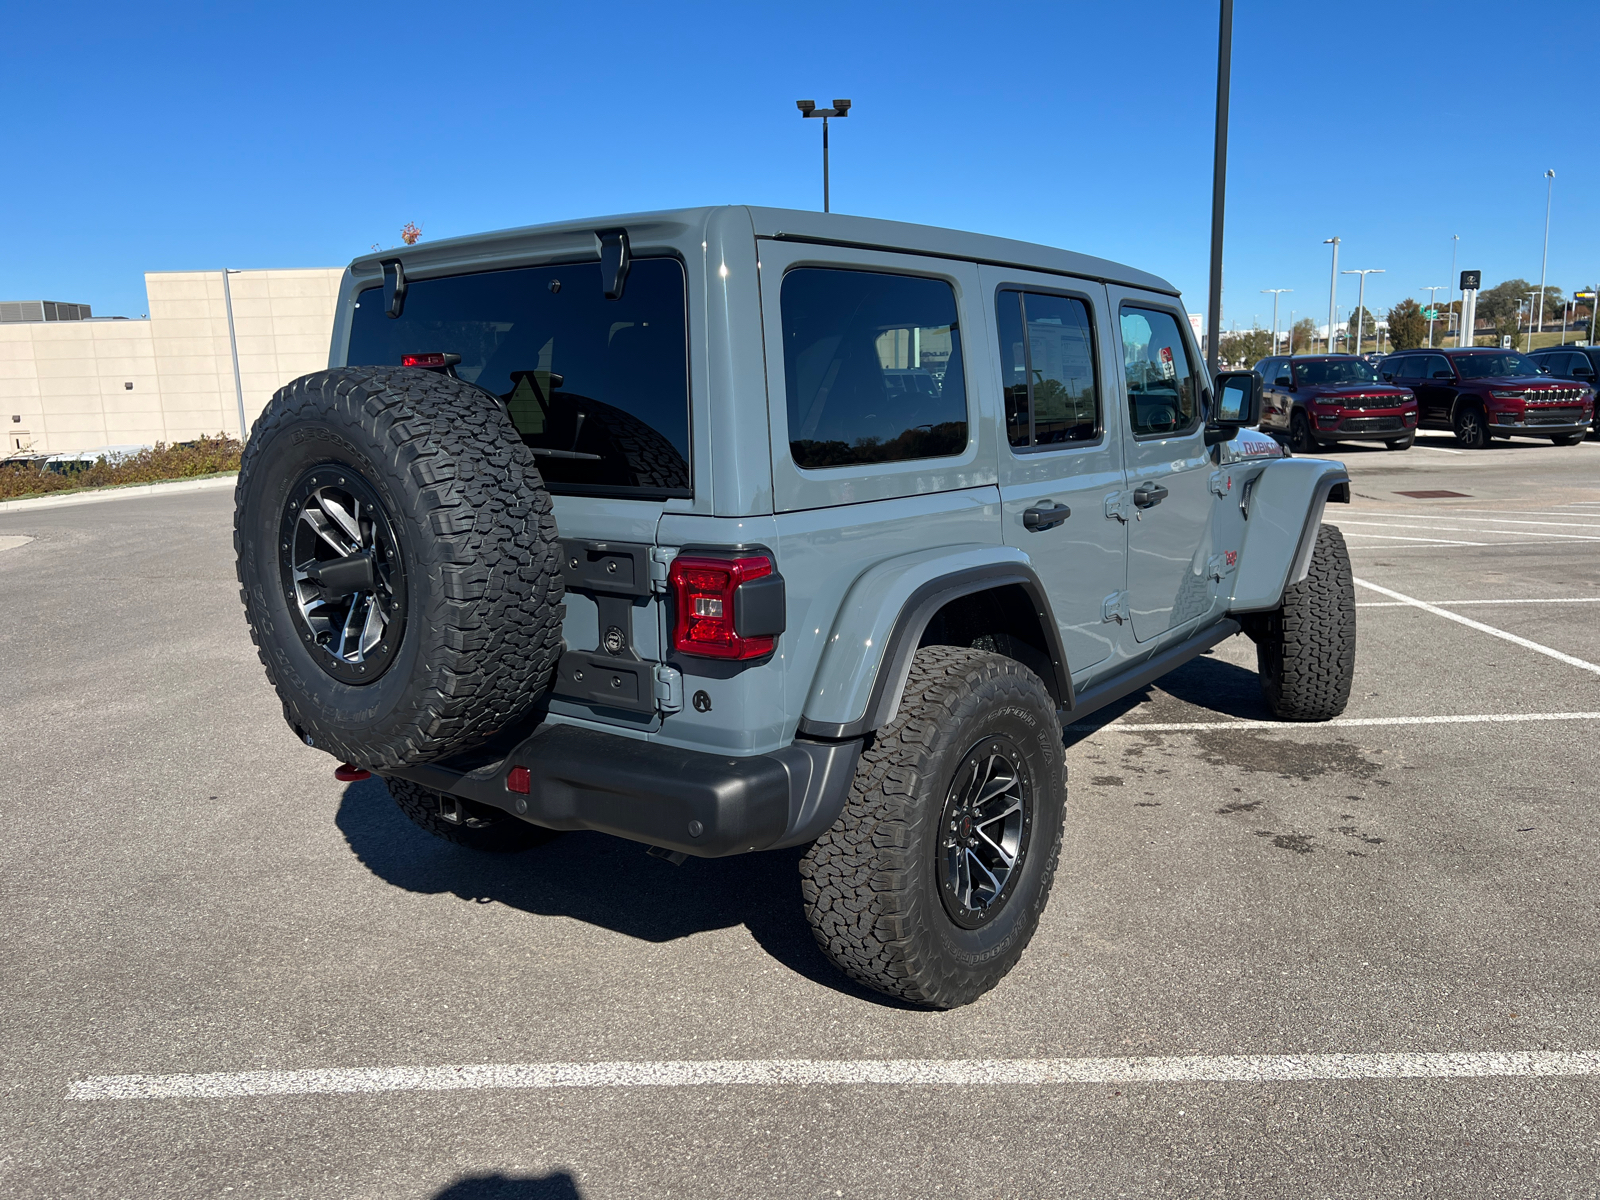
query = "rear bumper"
x=707 y=805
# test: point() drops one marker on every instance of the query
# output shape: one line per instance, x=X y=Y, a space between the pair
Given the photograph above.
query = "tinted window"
x=1583 y=363
x=1334 y=371
x=872 y=368
x=1162 y=396
x=598 y=388
x=1435 y=364
x=1493 y=366
x=1406 y=368
x=1051 y=388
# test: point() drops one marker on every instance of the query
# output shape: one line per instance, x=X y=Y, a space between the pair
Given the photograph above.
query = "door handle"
x=1045 y=516
x=1148 y=495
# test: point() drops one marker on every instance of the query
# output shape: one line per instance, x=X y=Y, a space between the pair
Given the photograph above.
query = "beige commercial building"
x=74 y=385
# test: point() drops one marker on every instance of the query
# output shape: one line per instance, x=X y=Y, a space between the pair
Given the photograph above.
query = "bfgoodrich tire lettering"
x=1306 y=650
x=872 y=883
x=475 y=538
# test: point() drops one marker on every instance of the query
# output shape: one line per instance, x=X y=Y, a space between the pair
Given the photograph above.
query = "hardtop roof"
x=790 y=224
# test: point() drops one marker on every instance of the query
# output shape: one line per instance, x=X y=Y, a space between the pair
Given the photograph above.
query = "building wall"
x=67 y=380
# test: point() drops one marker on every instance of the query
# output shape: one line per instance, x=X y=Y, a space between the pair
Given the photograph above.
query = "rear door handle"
x=1148 y=495
x=1045 y=516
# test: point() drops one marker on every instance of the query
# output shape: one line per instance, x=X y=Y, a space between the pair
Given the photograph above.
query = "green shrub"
x=185 y=460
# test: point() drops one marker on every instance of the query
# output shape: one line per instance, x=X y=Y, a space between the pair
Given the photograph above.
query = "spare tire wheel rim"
x=984 y=832
x=343 y=576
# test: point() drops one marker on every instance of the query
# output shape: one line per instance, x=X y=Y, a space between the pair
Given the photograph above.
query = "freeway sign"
x=1430 y=314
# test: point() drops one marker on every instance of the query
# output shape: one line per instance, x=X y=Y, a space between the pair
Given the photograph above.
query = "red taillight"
x=703 y=589
x=423 y=360
x=518 y=780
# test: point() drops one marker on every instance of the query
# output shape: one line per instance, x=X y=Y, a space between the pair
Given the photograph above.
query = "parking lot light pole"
x=808 y=108
x=1361 y=302
x=1275 y=292
x=1544 y=263
x=1433 y=307
x=1531 y=294
x=1333 y=287
x=1219 y=178
x=1290 y=335
x=1450 y=305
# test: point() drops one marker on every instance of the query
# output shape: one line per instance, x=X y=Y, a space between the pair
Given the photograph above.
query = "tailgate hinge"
x=1115 y=608
x=1117 y=506
x=669 y=689
x=1221 y=483
x=1222 y=564
x=660 y=560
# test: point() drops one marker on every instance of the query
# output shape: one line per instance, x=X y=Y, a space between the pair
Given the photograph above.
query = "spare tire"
x=398 y=563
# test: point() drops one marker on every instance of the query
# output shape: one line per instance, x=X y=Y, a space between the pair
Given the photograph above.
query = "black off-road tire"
x=871 y=883
x=477 y=827
x=1306 y=650
x=1566 y=439
x=473 y=533
x=1471 y=427
x=1301 y=439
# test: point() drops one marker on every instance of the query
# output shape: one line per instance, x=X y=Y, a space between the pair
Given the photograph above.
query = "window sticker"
x=1168 y=370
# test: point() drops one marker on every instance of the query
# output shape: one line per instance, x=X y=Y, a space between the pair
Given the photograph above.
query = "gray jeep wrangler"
x=731 y=529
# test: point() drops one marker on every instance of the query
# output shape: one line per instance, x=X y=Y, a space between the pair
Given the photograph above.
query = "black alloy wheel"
x=1300 y=439
x=984 y=831
x=1471 y=429
x=343 y=575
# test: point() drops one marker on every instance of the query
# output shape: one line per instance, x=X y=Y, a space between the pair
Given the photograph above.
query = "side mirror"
x=1283 y=381
x=1443 y=375
x=1583 y=373
x=1238 y=405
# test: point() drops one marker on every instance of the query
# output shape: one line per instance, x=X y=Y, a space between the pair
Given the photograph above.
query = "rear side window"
x=872 y=368
x=599 y=389
x=1162 y=394
x=1051 y=388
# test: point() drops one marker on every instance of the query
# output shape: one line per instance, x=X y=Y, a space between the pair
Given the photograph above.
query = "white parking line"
x=1435 y=449
x=1454 y=603
x=1339 y=722
x=1395 y=537
x=1481 y=627
x=1526 y=533
x=806 y=1072
x=1500 y=520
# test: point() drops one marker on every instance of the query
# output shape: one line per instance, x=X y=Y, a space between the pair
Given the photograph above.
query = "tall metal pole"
x=1455 y=244
x=1549 y=191
x=824 y=164
x=233 y=342
x=1219 y=177
x=1530 y=294
x=1361 y=302
x=1291 y=331
x=1433 y=307
x=1333 y=287
x=1275 y=292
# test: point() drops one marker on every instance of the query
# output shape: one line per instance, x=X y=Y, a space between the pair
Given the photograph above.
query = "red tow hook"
x=345 y=773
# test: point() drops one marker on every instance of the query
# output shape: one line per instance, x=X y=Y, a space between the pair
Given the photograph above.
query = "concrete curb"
x=118 y=493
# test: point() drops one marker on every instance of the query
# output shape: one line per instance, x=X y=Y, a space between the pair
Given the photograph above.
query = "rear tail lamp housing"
x=726 y=607
x=430 y=361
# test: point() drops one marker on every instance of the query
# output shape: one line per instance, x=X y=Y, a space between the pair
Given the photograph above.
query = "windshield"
x=1333 y=370
x=1489 y=366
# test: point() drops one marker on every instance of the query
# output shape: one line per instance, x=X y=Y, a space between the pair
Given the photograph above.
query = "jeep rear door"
x=1062 y=456
x=1167 y=499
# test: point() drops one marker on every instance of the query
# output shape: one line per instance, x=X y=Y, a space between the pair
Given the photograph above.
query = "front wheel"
x=1306 y=649
x=1471 y=429
x=933 y=879
x=1567 y=439
x=1301 y=440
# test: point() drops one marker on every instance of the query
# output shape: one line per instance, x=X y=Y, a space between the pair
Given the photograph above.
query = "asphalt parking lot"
x=1262 y=941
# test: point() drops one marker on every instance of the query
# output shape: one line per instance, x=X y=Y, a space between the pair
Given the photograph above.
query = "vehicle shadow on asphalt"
x=556 y=1186
x=605 y=881
x=1210 y=684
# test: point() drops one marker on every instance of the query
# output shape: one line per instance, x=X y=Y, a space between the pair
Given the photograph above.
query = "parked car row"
x=1311 y=401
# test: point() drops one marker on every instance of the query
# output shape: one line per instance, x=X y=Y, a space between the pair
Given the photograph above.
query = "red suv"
x=1311 y=400
x=1484 y=393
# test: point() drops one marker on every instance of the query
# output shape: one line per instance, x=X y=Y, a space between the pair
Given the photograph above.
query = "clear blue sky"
x=169 y=137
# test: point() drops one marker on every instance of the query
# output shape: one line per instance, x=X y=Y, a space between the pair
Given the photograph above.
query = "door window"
x=1052 y=389
x=1433 y=364
x=872 y=368
x=1163 y=398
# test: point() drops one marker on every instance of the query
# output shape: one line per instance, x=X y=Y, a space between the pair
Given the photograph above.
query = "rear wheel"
x=933 y=879
x=1301 y=440
x=1306 y=649
x=465 y=822
x=1567 y=439
x=1471 y=429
